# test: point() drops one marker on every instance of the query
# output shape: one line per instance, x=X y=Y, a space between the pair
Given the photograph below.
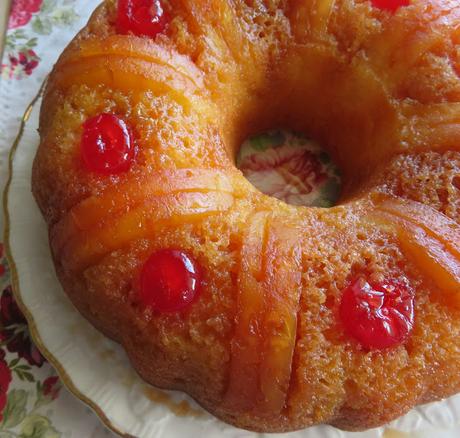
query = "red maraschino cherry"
x=141 y=17
x=170 y=281
x=107 y=145
x=377 y=315
x=390 y=5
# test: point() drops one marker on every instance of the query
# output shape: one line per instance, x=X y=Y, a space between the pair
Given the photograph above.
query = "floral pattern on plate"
x=290 y=167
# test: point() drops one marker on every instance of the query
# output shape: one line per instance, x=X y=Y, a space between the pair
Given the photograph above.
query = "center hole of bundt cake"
x=291 y=167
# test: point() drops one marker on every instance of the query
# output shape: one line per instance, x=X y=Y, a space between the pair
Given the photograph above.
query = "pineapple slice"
x=431 y=256
x=430 y=239
x=311 y=19
x=436 y=125
x=218 y=20
x=142 y=222
x=283 y=286
x=266 y=321
x=435 y=224
x=320 y=16
x=406 y=53
x=243 y=390
x=119 y=199
x=404 y=40
x=127 y=74
x=137 y=48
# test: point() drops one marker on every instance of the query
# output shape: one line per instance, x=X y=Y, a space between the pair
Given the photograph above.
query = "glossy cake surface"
x=273 y=317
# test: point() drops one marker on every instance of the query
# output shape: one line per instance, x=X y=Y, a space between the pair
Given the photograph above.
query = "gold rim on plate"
x=66 y=379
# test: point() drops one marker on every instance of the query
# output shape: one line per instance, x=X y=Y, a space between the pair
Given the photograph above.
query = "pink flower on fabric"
x=21 y=12
x=20 y=65
x=286 y=172
x=13 y=330
x=27 y=61
x=5 y=380
x=51 y=387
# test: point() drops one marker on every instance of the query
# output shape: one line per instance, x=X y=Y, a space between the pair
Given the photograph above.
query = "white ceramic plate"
x=95 y=369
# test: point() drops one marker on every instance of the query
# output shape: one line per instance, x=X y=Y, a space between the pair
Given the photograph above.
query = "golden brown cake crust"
x=380 y=91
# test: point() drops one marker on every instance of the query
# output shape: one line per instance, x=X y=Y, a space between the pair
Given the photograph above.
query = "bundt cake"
x=273 y=317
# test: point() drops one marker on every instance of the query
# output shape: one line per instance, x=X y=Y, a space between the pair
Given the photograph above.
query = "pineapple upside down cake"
x=273 y=317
